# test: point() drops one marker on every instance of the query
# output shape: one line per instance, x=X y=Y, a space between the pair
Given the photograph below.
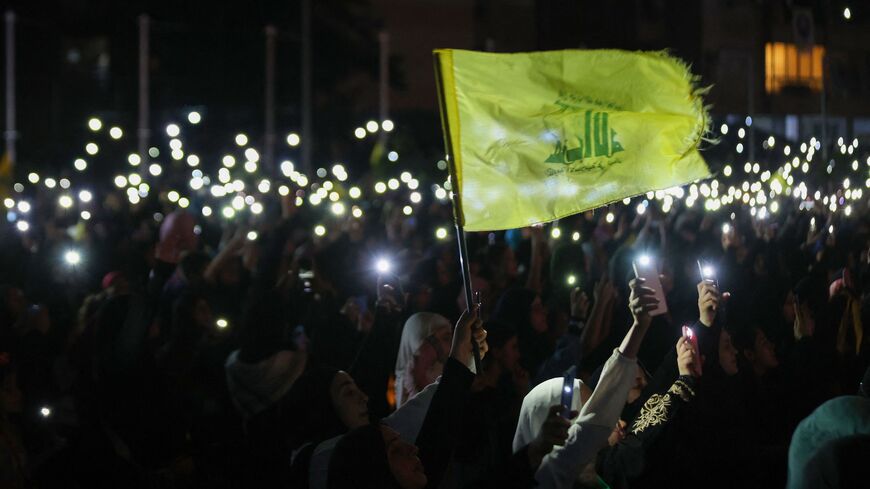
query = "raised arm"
x=560 y=468
x=440 y=430
x=233 y=246
x=598 y=326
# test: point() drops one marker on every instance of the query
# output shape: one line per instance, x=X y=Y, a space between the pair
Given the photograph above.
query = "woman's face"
x=444 y=337
x=349 y=402
x=538 y=316
x=727 y=354
x=404 y=463
x=765 y=352
x=640 y=383
x=508 y=355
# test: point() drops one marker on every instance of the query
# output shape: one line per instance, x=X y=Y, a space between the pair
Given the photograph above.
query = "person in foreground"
x=375 y=456
x=587 y=434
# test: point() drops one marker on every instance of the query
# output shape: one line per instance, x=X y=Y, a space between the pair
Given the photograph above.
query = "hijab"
x=839 y=418
x=536 y=407
x=360 y=461
x=309 y=410
x=418 y=328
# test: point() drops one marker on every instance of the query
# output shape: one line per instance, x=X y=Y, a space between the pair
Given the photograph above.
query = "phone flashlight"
x=726 y=228
x=45 y=411
x=708 y=272
x=72 y=257
x=689 y=333
x=571 y=280
x=221 y=323
x=382 y=265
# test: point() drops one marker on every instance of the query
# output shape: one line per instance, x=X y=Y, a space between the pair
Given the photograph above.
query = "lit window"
x=787 y=66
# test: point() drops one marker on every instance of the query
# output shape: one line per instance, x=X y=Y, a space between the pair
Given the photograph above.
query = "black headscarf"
x=308 y=410
x=360 y=461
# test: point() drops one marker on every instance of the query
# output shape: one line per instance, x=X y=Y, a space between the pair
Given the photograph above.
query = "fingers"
x=642 y=300
x=688 y=355
x=554 y=411
x=645 y=302
x=710 y=301
x=707 y=287
x=468 y=316
x=555 y=429
x=480 y=338
x=479 y=333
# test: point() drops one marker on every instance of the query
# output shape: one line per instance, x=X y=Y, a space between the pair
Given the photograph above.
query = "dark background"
x=78 y=59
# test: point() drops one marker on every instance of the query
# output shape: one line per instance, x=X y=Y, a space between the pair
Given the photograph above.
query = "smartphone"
x=645 y=268
x=708 y=272
x=689 y=333
x=568 y=391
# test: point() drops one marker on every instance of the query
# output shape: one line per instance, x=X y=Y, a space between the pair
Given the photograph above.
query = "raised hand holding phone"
x=645 y=268
x=688 y=355
x=554 y=432
x=642 y=302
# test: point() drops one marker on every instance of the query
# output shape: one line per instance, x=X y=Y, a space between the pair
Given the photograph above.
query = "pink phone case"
x=693 y=338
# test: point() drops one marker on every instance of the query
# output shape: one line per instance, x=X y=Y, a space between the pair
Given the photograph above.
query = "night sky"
x=77 y=59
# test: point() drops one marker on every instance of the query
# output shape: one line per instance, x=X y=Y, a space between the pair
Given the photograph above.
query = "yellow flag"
x=540 y=136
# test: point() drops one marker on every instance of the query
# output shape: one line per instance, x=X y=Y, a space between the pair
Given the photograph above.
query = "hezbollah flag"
x=539 y=136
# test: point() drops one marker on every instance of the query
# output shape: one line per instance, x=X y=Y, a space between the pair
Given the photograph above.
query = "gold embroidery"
x=683 y=390
x=654 y=412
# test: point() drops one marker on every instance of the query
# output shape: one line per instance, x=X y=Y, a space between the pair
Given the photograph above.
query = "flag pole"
x=456 y=200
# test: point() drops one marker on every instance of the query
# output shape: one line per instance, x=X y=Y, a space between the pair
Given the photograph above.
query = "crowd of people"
x=183 y=351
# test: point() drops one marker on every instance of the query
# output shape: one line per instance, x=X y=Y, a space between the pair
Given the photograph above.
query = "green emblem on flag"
x=597 y=140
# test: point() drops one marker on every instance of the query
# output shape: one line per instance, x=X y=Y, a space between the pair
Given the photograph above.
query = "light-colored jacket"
x=589 y=432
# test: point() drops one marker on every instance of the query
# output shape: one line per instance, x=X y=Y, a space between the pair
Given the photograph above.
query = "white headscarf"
x=536 y=406
x=417 y=328
x=588 y=433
